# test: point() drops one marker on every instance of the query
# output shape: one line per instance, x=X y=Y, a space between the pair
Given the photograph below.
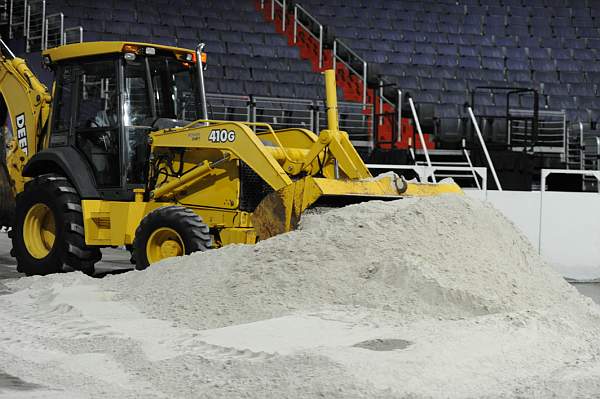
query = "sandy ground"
x=440 y=306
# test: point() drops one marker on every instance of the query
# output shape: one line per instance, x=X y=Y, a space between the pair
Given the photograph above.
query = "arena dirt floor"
x=441 y=306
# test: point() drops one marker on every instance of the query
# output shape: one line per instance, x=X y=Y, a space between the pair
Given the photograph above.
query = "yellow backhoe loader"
x=122 y=154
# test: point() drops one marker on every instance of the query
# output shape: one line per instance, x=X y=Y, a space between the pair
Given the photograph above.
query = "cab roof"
x=85 y=49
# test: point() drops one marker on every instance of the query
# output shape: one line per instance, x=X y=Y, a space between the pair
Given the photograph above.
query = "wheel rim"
x=164 y=243
x=39 y=231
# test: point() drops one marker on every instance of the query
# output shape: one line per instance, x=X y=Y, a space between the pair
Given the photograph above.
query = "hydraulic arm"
x=25 y=106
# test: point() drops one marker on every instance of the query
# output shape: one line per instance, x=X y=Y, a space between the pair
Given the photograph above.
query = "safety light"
x=130 y=48
x=150 y=51
x=129 y=56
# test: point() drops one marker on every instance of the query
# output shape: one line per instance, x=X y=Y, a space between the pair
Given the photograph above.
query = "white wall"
x=569 y=238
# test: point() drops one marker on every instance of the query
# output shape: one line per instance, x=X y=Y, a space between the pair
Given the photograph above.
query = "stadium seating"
x=550 y=45
x=246 y=55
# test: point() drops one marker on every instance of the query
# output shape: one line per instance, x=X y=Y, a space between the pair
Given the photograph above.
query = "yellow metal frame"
x=86 y=49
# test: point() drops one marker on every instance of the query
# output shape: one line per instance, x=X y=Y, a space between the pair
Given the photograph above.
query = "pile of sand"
x=445 y=257
x=429 y=297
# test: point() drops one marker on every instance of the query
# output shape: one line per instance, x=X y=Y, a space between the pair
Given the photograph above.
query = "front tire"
x=169 y=231
x=48 y=235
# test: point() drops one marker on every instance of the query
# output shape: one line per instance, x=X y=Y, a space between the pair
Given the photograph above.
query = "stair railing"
x=465 y=152
x=339 y=45
x=484 y=147
x=299 y=11
x=421 y=137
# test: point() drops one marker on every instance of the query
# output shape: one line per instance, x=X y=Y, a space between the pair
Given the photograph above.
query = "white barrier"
x=563 y=226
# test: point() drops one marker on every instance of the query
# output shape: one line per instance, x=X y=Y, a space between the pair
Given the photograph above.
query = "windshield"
x=158 y=87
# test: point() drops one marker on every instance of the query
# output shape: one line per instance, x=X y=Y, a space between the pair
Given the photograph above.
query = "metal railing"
x=484 y=147
x=300 y=13
x=35 y=26
x=73 y=35
x=4 y=12
x=229 y=107
x=354 y=118
x=282 y=113
x=283 y=6
x=54 y=34
x=551 y=134
x=420 y=133
x=17 y=18
x=350 y=62
x=575 y=148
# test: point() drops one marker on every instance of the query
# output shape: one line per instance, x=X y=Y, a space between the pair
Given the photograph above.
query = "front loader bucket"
x=280 y=211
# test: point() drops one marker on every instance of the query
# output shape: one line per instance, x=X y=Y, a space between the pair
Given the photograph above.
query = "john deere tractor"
x=122 y=153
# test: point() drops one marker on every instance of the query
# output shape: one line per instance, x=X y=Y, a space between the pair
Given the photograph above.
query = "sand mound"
x=443 y=257
x=422 y=298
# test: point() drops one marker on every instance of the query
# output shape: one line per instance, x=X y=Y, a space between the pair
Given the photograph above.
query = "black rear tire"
x=190 y=228
x=68 y=250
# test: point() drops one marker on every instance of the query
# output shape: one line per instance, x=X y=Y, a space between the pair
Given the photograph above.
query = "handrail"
x=319 y=38
x=468 y=158
x=485 y=150
x=61 y=28
x=338 y=43
x=283 y=7
x=421 y=137
x=76 y=28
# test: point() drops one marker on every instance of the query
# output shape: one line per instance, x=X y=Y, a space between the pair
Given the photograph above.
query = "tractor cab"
x=109 y=95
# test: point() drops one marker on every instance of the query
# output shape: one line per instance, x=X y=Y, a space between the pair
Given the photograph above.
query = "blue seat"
x=231 y=87
x=528 y=41
x=237 y=73
x=492 y=75
x=471 y=29
x=593 y=77
x=543 y=65
x=398 y=58
x=593 y=43
x=469 y=62
x=560 y=102
x=554 y=89
x=455 y=85
x=572 y=77
x=492 y=63
x=560 y=54
x=545 y=76
x=405 y=47
x=446 y=110
x=567 y=32
x=432 y=84
x=255 y=49
x=517 y=64
x=582 y=89
x=447 y=49
x=447 y=61
x=263 y=75
x=568 y=65
x=538 y=53
x=424 y=96
x=482 y=99
x=467 y=51
x=407 y=83
x=454 y=97
x=424 y=59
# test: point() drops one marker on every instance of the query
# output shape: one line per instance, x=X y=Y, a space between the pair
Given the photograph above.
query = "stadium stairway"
x=352 y=87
